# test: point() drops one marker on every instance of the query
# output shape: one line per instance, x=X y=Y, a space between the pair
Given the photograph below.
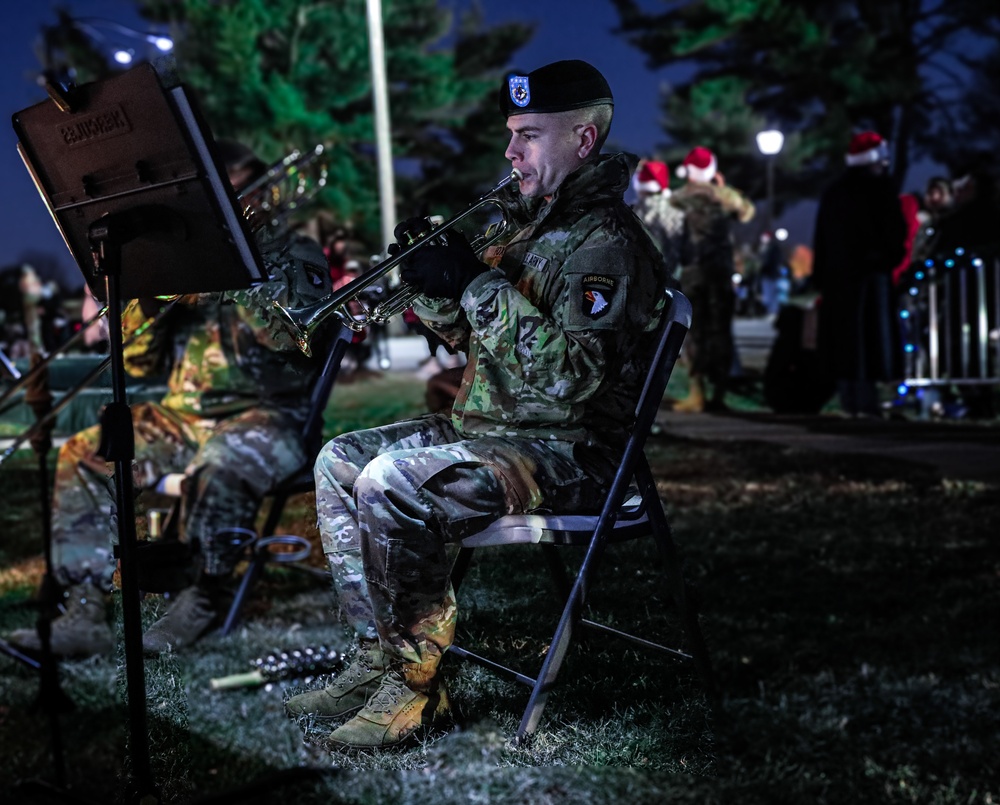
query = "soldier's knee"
x=376 y=477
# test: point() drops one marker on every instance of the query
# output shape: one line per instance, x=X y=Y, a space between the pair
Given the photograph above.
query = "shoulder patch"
x=597 y=292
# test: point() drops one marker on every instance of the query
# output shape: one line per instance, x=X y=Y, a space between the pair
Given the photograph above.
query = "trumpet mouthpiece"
x=516 y=175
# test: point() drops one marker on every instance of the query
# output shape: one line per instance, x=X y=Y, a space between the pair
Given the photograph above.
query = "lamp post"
x=118 y=43
x=770 y=142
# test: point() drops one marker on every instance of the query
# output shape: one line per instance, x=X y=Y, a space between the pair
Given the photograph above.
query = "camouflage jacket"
x=667 y=228
x=227 y=352
x=709 y=212
x=559 y=332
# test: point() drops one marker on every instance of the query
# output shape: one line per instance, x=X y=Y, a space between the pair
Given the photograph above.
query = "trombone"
x=304 y=321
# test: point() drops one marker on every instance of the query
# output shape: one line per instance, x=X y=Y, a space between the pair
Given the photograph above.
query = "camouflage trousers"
x=230 y=465
x=709 y=349
x=390 y=500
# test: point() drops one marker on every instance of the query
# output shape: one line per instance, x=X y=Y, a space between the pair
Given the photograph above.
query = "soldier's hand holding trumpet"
x=444 y=267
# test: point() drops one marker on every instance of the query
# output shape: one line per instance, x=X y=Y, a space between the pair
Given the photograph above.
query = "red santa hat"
x=867 y=148
x=652 y=177
x=698 y=166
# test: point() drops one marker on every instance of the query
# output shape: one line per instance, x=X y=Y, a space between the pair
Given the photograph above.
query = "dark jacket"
x=860 y=236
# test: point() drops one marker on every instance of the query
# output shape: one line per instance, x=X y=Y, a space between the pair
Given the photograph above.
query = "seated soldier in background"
x=231 y=422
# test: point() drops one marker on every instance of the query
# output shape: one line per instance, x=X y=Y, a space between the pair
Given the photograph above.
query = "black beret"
x=556 y=87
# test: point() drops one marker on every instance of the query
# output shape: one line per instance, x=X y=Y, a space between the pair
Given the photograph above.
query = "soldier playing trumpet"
x=559 y=325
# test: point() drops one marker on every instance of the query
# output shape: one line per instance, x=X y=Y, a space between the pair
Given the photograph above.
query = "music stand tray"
x=128 y=145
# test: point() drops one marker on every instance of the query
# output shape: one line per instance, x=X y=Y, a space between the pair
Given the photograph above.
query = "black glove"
x=410 y=230
x=444 y=268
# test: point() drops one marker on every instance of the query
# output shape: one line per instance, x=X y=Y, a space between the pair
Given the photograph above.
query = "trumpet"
x=304 y=321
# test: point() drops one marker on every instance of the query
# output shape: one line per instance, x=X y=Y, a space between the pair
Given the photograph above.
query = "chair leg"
x=460 y=567
x=274 y=514
x=546 y=678
x=557 y=570
x=248 y=580
x=663 y=535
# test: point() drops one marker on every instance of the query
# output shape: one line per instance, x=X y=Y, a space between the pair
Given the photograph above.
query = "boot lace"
x=389 y=695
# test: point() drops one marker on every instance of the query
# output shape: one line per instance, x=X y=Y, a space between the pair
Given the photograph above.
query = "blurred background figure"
x=771 y=270
x=30 y=312
x=96 y=335
x=860 y=237
x=710 y=209
x=663 y=220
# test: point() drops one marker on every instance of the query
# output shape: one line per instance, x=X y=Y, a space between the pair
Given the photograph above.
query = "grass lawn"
x=850 y=605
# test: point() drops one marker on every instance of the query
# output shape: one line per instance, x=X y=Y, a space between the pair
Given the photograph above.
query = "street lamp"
x=769 y=142
x=121 y=43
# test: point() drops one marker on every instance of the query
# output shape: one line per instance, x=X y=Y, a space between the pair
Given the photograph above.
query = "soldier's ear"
x=587 y=134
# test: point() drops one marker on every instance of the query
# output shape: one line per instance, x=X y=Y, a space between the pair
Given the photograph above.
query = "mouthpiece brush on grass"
x=308 y=661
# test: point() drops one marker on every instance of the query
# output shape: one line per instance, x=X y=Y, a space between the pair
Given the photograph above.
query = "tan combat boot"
x=694 y=403
x=349 y=690
x=197 y=610
x=396 y=712
x=81 y=631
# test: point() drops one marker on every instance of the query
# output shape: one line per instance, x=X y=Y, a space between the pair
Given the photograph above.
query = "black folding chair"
x=632 y=509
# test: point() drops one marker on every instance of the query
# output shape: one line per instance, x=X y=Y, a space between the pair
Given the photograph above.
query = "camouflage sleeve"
x=446 y=318
x=297 y=276
x=147 y=351
x=563 y=355
x=736 y=203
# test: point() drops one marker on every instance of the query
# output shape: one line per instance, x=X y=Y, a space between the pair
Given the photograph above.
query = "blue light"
x=919 y=275
x=949 y=263
x=902 y=389
x=929 y=263
x=914 y=291
x=959 y=251
x=909 y=348
x=904 y=314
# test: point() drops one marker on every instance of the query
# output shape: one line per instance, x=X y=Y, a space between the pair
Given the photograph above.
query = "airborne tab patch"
x=597 y=293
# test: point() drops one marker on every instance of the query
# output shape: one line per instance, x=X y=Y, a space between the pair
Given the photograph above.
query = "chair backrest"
x=674 y=327
x=312 y=428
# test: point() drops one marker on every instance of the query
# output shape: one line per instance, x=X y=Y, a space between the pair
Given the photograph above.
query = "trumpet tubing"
x=304 y=321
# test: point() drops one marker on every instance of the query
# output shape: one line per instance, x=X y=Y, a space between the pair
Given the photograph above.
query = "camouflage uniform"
x=559 y=334
x=231 y=419
x=707 y=276
x=665 y=222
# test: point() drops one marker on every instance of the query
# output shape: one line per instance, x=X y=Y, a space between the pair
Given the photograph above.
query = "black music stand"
x=128 y=170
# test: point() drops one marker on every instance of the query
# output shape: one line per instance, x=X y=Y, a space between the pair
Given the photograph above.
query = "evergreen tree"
x=819 y=69
x=285 y=74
